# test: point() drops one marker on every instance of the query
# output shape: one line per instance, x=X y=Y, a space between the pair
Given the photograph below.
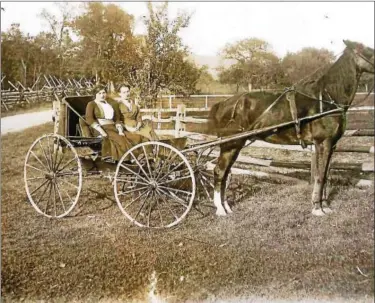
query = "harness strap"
x=290 y=96
x=234 y=110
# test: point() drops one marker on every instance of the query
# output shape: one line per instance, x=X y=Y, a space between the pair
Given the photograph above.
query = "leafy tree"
x=106 y=39
x=60 y=33
x=255 y=65
x=299 y=65
x=163 y=60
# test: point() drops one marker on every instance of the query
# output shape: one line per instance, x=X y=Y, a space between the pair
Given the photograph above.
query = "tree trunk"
x=250 y=86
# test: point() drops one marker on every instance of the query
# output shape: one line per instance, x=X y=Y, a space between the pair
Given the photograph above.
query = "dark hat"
x=123 y=84
x=97 y=88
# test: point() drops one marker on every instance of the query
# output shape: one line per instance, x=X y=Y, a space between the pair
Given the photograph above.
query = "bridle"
x=359 y=54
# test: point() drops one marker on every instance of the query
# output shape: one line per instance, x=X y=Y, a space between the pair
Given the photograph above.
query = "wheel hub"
x=153 y=184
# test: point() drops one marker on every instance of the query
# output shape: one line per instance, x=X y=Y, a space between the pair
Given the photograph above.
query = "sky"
x=287 y=26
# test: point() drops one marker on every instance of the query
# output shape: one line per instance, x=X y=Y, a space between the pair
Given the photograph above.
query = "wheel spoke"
x=176 y=190
x=158 y=208
x=61 y=159
x=43 y=193
x=176 y=180
x=133 y=172
x=39 y=187
x=205 y=189
x=173 y=169
x=143 y=204
x=131 y=202
x=35 y=178
x=165 y=161
x=58 y=190
x=36 y=157
x=65 y=192
x=131 y=181
x=67 y=164
x=180 y=201
x=50 y=154
x=207 y=180
x=149 y=211
x=132 y=191
x=50 y=190
x=148 y=164
x=44 y=153
x=167 y=204
x=44 y=172
x=139 y=164
x=66 y=182
x=55 y=151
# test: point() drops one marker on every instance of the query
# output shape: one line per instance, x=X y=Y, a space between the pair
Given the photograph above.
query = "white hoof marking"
x=227 y=208
x=318 y=212
x=327 y=210
x=220 y=211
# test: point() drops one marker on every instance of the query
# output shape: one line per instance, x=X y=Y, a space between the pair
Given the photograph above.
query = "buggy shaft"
x=255 y=132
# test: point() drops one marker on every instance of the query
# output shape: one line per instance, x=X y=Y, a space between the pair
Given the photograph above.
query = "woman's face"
x=124 y=92
x=101 y=95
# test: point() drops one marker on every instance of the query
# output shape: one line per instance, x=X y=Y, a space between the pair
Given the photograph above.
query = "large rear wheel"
x=154 y=185
x=53 y=176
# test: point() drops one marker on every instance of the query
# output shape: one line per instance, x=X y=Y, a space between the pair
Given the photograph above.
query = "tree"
x=60 y=32
x=163 y=60
x=299 y=65
x=256 y=64
x=107 y=41
x=205 y=80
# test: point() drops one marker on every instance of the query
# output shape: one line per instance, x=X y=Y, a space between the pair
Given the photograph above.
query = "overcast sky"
x=287 y=26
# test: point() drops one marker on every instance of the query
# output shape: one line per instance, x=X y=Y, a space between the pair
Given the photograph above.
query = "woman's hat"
x=97 y=88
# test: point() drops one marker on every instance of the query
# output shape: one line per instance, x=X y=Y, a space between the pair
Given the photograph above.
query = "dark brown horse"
x=331 y=88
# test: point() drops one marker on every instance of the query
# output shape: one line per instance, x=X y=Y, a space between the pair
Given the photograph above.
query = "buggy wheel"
x=204 y=174
x=53 y=176
x=154 y=185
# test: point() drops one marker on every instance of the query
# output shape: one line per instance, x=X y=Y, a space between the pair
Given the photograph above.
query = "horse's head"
x=364 y=56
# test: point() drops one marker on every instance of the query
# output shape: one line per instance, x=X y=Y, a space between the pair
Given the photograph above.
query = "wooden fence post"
x=170 y=102
x=159 y=118
x=180 y=119
x=206 y=105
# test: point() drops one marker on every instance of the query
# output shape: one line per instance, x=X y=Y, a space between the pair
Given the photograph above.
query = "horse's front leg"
x=221 y=171
x=324 y=152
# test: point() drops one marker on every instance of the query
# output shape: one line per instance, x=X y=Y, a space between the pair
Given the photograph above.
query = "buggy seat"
x=79 y=133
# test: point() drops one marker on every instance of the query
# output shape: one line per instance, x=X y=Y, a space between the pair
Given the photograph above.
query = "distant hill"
x=212 y=62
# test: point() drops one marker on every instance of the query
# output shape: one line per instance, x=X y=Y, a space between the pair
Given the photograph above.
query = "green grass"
x=270 y=247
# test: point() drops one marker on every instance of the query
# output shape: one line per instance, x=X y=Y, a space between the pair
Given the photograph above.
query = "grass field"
x=269 y=248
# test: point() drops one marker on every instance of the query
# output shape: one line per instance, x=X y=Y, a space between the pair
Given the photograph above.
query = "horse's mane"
x=332 y=78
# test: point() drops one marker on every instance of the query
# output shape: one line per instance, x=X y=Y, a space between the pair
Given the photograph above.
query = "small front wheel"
x=154 y=185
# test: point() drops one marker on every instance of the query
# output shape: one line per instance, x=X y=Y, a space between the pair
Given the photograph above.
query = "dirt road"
x=20 y=122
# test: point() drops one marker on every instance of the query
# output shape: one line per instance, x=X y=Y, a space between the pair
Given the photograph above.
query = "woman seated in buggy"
x=104 y=116
x=131 y=115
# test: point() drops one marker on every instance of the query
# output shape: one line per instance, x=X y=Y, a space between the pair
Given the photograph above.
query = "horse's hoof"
x=318 y=212
x=221 y=213
x=227 y=208
x=327 y=210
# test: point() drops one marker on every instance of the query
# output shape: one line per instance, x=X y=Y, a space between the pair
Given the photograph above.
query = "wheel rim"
x=154 y=185
x=53 y=176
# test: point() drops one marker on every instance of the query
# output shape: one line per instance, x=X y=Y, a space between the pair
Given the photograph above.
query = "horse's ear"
x=350 y=44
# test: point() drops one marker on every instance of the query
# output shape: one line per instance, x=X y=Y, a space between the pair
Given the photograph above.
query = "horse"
x=333 y=87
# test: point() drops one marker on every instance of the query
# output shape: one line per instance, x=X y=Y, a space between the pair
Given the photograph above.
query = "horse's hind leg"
x=324 y=152
x=225 y=161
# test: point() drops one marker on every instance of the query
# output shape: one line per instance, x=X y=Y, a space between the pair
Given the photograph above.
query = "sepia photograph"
x=201 y=152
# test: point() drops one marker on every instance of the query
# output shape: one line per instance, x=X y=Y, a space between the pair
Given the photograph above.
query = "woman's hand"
x=138 y=126
x=121 y=133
